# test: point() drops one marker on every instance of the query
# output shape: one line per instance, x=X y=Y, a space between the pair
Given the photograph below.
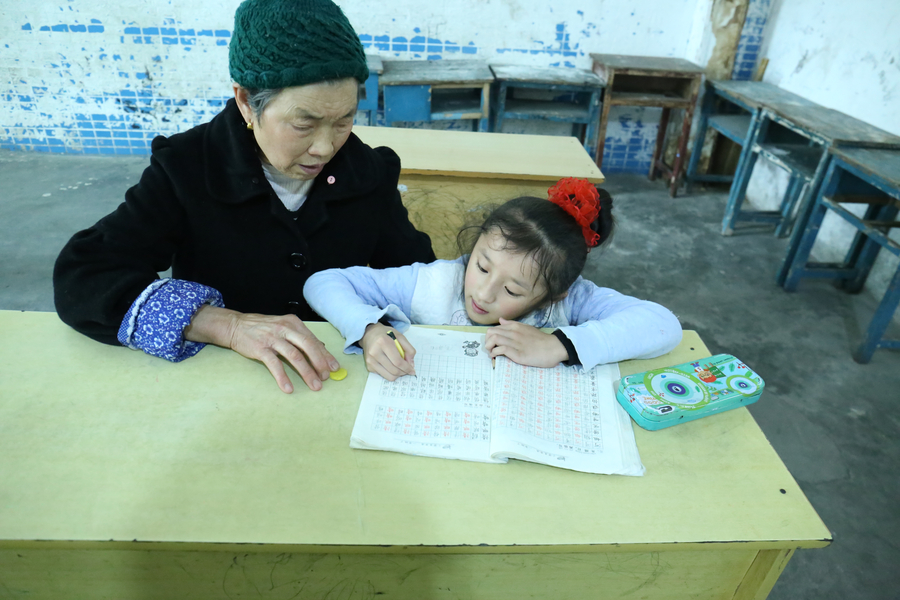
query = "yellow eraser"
x=339 y=374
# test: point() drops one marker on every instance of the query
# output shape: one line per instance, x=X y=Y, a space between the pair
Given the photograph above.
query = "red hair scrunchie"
x=579 y=198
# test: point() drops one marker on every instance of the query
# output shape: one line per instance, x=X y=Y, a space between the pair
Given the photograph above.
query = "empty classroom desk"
x=447 y=177
x=576 y=98
x=652 y=81
x=437 y=90
x=733 y=108
x=369 y=101
x=857 y=176
x=796 y=137
x=126 y=476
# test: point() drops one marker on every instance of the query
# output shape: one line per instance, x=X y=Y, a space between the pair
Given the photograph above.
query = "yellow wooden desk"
x=449 y=175
x=123 y=476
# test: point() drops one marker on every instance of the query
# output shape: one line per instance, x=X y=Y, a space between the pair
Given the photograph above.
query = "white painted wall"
x=846 y=56
x=142 y=68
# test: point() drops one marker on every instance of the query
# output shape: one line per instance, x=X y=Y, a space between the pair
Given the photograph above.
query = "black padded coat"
x=204 y=207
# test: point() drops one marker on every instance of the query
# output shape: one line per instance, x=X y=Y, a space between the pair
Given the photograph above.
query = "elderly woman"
x=246 y=207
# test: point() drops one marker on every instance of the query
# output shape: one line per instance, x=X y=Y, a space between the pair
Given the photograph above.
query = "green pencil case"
x=661 y=398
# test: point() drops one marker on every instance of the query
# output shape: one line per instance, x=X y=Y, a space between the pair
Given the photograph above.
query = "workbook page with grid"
x=563 y=417
x=458 y=406
x=444 y=411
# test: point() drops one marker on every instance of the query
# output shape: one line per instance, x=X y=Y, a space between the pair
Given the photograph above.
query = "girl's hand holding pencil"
x=387 y=352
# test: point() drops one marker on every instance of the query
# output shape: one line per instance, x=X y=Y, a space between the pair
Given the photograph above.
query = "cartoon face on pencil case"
x=664 y=397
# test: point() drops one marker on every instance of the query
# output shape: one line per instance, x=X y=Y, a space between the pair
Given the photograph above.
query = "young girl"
x=522 y=274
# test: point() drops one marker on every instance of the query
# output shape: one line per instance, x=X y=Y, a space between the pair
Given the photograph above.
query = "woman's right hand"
x=268 y=339
x=382 y=355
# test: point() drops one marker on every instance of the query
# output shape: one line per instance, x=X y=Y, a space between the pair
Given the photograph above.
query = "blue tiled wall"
x=751 y=39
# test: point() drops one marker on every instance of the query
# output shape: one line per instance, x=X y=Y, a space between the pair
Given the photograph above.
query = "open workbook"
x=458 y=406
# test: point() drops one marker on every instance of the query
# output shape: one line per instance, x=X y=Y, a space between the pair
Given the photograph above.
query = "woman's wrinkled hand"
x=524 y=344
x=268 y=339
x=382 y=355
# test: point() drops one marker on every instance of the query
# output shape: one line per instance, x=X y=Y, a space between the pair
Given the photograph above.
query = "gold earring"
x=250 y=125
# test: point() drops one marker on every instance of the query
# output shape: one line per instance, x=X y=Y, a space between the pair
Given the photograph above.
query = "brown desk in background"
x=652 y=81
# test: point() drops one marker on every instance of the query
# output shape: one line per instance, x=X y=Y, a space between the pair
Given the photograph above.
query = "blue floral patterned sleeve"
x=156 y=320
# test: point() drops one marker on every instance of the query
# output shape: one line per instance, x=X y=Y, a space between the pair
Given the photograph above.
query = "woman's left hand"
x=524 y=344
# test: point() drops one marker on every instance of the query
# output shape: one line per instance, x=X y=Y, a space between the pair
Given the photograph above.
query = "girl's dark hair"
x=539 y=228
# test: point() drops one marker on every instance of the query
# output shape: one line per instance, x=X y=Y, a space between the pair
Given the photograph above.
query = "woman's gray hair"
x=259 y=99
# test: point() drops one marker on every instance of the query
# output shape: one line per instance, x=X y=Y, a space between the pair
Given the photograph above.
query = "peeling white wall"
x=106 y=77
x=845 y=56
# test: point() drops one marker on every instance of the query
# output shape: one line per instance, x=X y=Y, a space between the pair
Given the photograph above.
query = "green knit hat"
x=283 y=43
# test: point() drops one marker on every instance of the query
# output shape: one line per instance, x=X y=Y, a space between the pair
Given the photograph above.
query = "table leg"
x=758 y=125
x=807 y=202
x=590 y=128
x=604 y=116
x=682 y=148
x=864 y=250
x=709 y=101
x=484 y=121
x=801 y=256
x=762 y=575
x=660 y=141
x=882 y=318
x=794 y=189
x=500 y=107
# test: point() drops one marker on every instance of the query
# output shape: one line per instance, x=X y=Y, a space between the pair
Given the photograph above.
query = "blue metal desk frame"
x=741 y=120
x=845 y=182
x=370 y=102
x=733 y=126
x=805 y=175
x=590 y=121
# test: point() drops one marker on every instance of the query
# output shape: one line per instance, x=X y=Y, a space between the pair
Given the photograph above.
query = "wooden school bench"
x=525 y=93
x=650 y=81
x=857 y=176
x=437 y=90
x=126 y=476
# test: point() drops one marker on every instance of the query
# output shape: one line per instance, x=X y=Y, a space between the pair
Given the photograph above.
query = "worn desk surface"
x=758 y=94
x=187 y=474
x=437 y=72
x=881 y=163
x=484 y=155
x=835 y=127
x=646 y=65
x=103 y=443
x=548 y=75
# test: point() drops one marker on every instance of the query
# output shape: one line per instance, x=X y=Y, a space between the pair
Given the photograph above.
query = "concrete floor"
x=832 y=421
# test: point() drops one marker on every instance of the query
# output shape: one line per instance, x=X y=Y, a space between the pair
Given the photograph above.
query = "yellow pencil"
x=399 y=348
x=397 y=343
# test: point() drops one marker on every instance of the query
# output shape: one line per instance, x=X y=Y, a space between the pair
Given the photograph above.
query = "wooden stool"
x=578 y=104
x=860 y=176
x=437 y=90
x=369 y=101
x=650 y=81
